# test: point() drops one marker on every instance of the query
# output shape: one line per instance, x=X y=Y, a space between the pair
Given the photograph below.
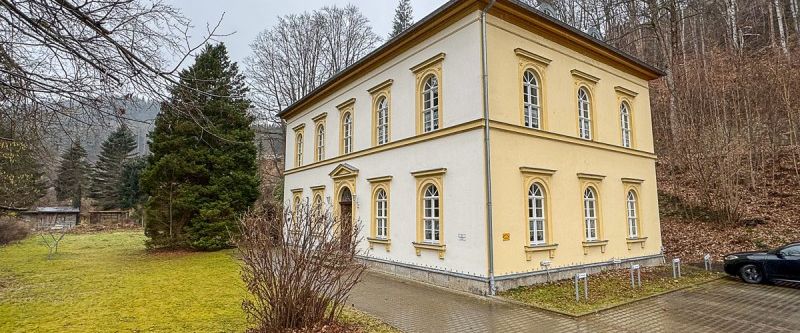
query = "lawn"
x=608 y=289
x=107 y=282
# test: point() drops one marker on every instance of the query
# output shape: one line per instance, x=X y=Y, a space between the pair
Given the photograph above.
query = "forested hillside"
x=725 y=116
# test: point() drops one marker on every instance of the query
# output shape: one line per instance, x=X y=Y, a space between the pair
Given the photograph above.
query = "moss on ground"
x=607 y=289
x=108 y=282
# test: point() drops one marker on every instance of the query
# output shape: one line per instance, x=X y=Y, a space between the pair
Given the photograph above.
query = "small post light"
x=585 y=278
x=638 y=270
x=676 y=268
x=546 y=265
x=707 y=261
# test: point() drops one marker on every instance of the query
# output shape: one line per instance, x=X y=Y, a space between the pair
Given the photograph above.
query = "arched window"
x=625 y=119
x=584 y=114
x=318 y=201
x=430 y=104
x=320 y=142
x=536 y=214
x=381 y=214
x=383 y=121
x=347 y=133
x=633 y=225
x=530 y=100
x=299 y=150
x=430 y=214
x=590 y=213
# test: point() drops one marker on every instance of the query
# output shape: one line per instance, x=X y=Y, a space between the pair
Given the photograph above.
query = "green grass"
x=607 y=289
x=108 y=282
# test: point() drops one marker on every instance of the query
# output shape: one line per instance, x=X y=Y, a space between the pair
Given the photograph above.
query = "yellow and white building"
x=558 y=179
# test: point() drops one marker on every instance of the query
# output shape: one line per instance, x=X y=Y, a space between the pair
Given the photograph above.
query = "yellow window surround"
x=529 y=61
x=424 y=178
x=626 y=96
x=633 y=184
x=594 y=181
x=542 y=177
x=299 y=144
x=587 y=82
x=382 y=90
x=347 y=107
x=431 y=66
x=380 y=183
x=319 y=151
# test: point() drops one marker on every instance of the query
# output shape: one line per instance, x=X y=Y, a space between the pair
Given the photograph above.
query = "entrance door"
x=346 y=214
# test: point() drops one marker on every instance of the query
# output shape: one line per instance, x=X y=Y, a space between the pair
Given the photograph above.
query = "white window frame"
x=536 y=215
x=531 y=100
x=590 y=214
x=383 y=121
x=347 y=130
x=320 y=142
x=584 y=114
x=431 y=215
x=633 y=216
x=381 y=214
x=299 y=148
x=430 y=104
x=625 y=124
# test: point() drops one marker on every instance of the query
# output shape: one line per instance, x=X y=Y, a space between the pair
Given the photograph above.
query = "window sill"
x=385 y=241
x=597 y=243
x=531 y=249
x=429 y=246
x=639 y=240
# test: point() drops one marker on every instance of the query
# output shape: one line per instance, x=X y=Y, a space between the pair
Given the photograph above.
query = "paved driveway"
x=722 y=306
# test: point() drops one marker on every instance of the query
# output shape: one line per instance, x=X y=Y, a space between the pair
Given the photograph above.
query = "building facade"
x=559 y=179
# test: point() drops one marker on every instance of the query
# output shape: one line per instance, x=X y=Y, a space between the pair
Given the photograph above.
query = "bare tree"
x=299 y=265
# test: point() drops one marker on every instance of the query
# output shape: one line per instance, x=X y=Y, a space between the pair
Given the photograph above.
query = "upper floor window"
x=383 y=121
x=347 y=133
x=536 y=223
x=633 y=224
x=430 y=214
x=584 y=114
x=530 y=100
x=381 y=214
x=430 y=104
x=299 y=150
x=625 y=119
x=590 y=213
x=320 y=142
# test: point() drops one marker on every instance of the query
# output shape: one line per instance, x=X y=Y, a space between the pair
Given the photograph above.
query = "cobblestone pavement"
x=725 y=305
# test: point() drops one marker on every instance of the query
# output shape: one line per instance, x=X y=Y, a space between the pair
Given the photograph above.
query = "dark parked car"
x=779 y=264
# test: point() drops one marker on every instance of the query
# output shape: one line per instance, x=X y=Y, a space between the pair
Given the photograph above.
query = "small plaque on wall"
x=506 y=236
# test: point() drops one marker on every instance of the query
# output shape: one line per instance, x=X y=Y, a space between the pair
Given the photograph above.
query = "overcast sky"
x=244 y=19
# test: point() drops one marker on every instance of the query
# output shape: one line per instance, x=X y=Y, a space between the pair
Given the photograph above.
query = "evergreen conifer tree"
x=73 y=175
x=106 y=179
x=130 y=193
x=202 y=172
x=403 y=18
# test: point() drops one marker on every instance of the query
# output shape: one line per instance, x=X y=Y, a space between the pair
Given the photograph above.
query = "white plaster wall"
x=463 y=199
x=461 y=92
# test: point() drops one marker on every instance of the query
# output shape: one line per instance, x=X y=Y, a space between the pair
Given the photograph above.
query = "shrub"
x=12 y=230
x=299 y=266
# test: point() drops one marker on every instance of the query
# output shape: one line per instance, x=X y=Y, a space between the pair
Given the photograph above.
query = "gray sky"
x=246 y=18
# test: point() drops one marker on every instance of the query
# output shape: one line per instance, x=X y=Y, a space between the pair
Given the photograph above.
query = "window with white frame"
x=320 y=142
x=625 y=119
x=347 y=130
x=530 y=100
x=590 y=213
x=381 y=214
x=318 y=201
x=383 y=121
x=430 y=214
x=584 y=114
x=536 y=214
x=430 y=104
x=633 y=227
x=299 y=150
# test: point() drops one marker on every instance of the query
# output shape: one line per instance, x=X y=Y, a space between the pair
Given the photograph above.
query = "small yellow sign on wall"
x=506 y=236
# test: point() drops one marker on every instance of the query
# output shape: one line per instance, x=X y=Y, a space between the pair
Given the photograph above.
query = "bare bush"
x=299 y=265
x=12 y=230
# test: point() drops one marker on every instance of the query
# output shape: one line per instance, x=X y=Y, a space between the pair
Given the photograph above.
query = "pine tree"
x=202 y=172
x=107 y=176
x=130 y=193
x=403 y=18
x=73 y=175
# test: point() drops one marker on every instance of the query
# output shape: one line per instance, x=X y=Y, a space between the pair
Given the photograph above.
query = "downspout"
x=487 y=148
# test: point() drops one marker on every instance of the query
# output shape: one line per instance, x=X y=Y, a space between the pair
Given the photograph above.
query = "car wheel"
x=751 y=274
